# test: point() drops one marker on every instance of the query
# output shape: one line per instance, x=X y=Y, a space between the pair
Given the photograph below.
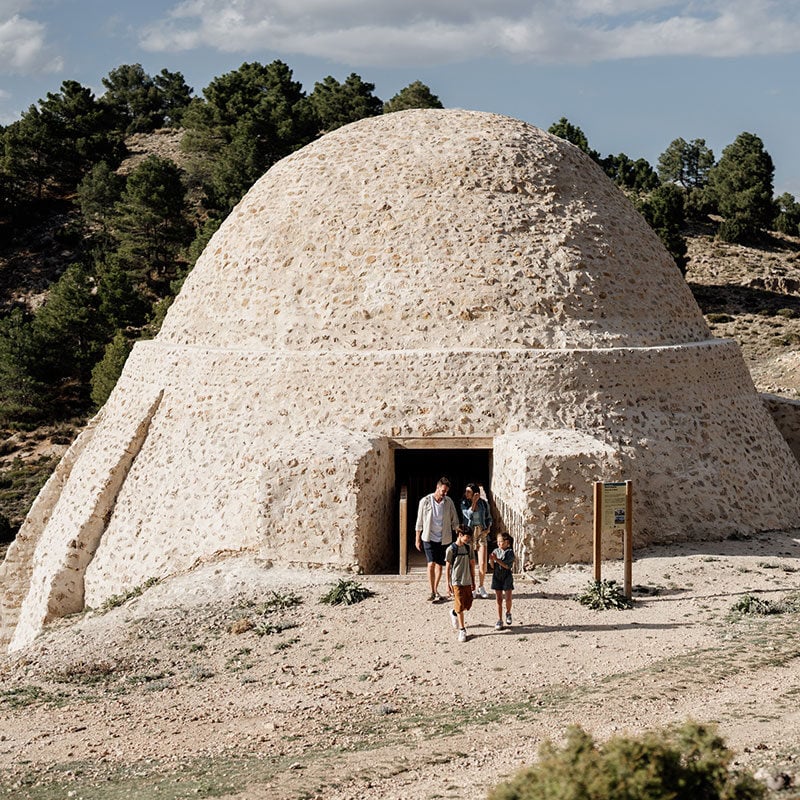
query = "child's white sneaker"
x=508 y=618
x=454 y=619
x=482 y=592
x=498 y=626
x=462 y=635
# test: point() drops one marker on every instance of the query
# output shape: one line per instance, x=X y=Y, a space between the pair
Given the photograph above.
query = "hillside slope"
x=752 y=295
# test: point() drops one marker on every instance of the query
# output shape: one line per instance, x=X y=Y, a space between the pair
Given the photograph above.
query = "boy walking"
x=460 y=560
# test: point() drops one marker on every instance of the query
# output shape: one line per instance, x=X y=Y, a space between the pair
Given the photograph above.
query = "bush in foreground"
x=686 y=762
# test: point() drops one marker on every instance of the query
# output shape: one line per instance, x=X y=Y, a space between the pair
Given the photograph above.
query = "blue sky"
x=633 y=74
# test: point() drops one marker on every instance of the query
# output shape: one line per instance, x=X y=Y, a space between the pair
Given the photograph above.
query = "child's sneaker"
x=508 y=618
x=462 y=635
x=436 y=597
x=454 y=619
x=483 y=593
x=498 y=626
x=432 y=596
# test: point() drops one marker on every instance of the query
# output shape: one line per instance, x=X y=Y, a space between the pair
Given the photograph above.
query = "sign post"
x=613 y=510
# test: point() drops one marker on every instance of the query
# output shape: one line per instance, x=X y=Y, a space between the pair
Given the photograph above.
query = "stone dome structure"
x=419 y=286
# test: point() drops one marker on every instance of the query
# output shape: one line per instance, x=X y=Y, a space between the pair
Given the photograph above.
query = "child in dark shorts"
x=460 y=560
x=502 y=560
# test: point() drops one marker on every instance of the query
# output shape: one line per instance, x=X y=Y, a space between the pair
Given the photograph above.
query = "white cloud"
x=393 y=32
x=23 y=46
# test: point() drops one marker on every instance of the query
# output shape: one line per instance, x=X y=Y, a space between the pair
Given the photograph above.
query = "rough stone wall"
x=78 y=519
x=434 y=229
x=325 y=501
x=544 y=492
x=786 y=415
x=685 y=418
x=376 y=505
x=16 y=569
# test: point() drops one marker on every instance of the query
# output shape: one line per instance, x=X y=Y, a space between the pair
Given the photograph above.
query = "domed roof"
x=435 y=229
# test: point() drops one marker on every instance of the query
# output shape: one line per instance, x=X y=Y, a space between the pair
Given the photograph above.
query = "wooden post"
x=404 y=530
x=598 y=528
x=627 y=539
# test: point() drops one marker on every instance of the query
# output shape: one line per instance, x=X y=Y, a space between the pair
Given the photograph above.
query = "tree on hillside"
x=248 y=119
x=67 y=330
x=663 y=209
x=10 y=199
x=741 y=185
x=134 y=98
x=415 y=95
x=82 y=133
x=564 y=129
x=21 y=394
x=107 y=371
x=788 y=217
x=149 y=220
x=686 y=163
x=637 y=176
x=97 y=193
x=142 y=103
x=120 y=302
x=56 y=143
x=176 y=95
x=26 y=155
x=337 y=104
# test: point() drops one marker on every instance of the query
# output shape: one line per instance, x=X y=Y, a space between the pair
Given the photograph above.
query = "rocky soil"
x=213 y=684
x=752 y=295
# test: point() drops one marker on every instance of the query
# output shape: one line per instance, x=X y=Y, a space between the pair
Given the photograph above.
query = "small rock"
x=774 y=780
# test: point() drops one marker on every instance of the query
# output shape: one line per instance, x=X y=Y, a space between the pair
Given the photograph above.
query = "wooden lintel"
x=442 y=443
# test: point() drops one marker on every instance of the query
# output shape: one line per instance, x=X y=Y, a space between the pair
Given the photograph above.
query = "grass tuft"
x=119 y=599
x=347 y=593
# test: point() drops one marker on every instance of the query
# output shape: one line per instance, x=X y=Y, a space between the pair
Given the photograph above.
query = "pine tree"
x=149 y=220
x=741 y=184
x=337 y=104
x=415 y=95
x=107 y=371
x=22 y=396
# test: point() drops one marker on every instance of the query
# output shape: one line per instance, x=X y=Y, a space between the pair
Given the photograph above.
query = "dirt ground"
x=200 y=687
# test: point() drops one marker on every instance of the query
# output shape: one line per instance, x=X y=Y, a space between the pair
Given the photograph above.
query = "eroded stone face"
x=424 y=276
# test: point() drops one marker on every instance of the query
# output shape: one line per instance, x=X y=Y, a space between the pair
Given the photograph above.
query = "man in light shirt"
x=437 y=520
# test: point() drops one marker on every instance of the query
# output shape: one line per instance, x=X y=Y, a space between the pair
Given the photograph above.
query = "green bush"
x=750 y=604
x=107 y=371
x=602 y=595
x=686 y=762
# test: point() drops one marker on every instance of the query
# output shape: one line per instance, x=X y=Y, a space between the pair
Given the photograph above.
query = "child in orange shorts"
x=460 y=560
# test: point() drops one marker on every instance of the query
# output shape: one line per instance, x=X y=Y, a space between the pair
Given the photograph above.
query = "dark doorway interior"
x=419 y=470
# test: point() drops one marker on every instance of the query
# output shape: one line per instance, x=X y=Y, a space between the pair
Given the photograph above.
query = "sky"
x=633 y=74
